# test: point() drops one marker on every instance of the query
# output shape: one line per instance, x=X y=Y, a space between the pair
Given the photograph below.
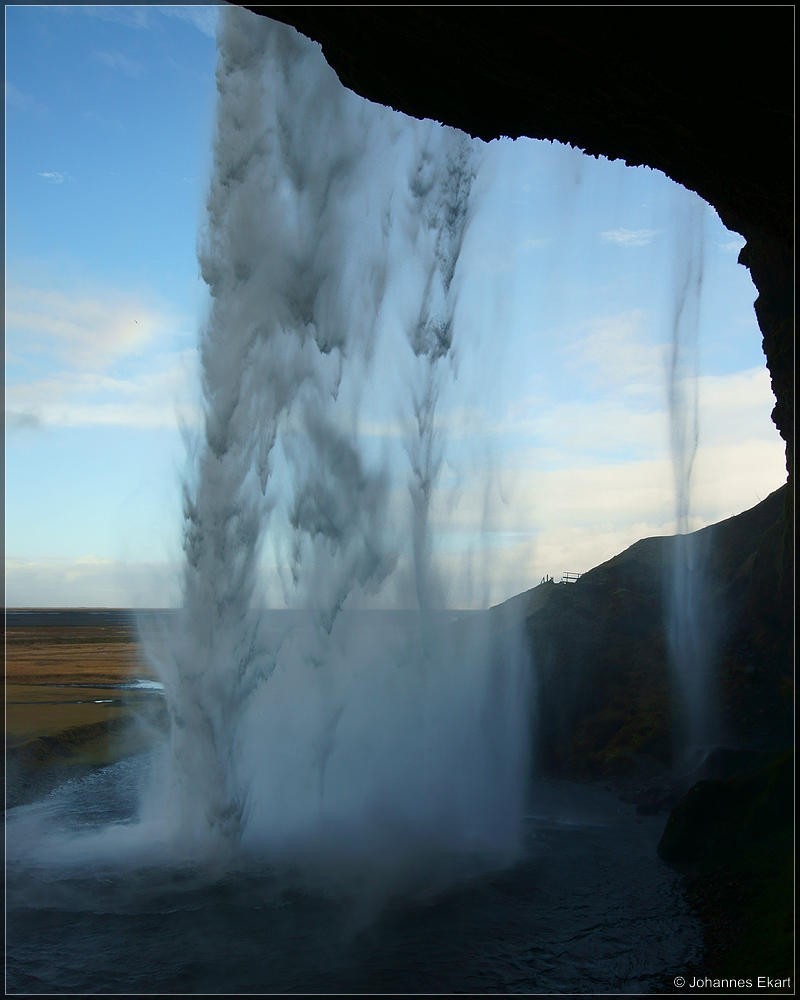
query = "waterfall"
x=688 y=633
x=334 y=229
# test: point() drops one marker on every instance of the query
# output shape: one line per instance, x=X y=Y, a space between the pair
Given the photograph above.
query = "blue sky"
x=556 y=422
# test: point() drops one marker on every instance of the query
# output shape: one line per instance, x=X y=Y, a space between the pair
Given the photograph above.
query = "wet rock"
x=655 y=800
x=717 y=817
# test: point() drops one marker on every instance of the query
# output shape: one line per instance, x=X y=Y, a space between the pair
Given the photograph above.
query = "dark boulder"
x=716 y=819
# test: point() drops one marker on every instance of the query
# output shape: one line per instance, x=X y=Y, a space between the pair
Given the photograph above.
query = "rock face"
x=734 y=841
x=705 y=94
x=605 y=697
x=716 y=817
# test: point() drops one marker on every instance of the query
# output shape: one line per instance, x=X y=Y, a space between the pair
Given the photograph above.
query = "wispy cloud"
x=86 y=330
x=201 y=16
x=736 y=408
x=158 y=397
x=204 y=18
x=132 y=16
x=90 y=582
x=54 y=176
x=732 y=246
x=630 y=237
x=616 y=351
x=108 y=358
x=733 y=408
x=117 y=60
x=22 y=103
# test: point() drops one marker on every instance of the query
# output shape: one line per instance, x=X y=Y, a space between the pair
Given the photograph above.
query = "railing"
x=565 y=578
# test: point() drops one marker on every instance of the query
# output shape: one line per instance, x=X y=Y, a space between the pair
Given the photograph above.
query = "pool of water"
x=587 y=908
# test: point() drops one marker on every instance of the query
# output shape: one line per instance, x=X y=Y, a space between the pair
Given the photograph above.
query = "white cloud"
x=630 y=237
x=106 y=359
x=132 y=16
x=728 y=479
x=616 y=350
x=602 y=427
x=528 y=500
x=90 y=582
x=87 y=330
x=629 y=415
x=54 y=176
x=736 y=408
x=204 y=18
x=160 y=398
x=733 y=246
x=116 y=60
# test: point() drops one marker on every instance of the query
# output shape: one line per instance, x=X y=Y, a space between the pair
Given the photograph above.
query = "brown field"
x=47 y=710
x=79 y=655
x=64 y=708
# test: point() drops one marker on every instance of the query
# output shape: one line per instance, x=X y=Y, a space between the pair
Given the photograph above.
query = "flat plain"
x=79 y=693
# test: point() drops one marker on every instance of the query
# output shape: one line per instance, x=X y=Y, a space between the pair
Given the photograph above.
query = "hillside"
x=606 y=706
